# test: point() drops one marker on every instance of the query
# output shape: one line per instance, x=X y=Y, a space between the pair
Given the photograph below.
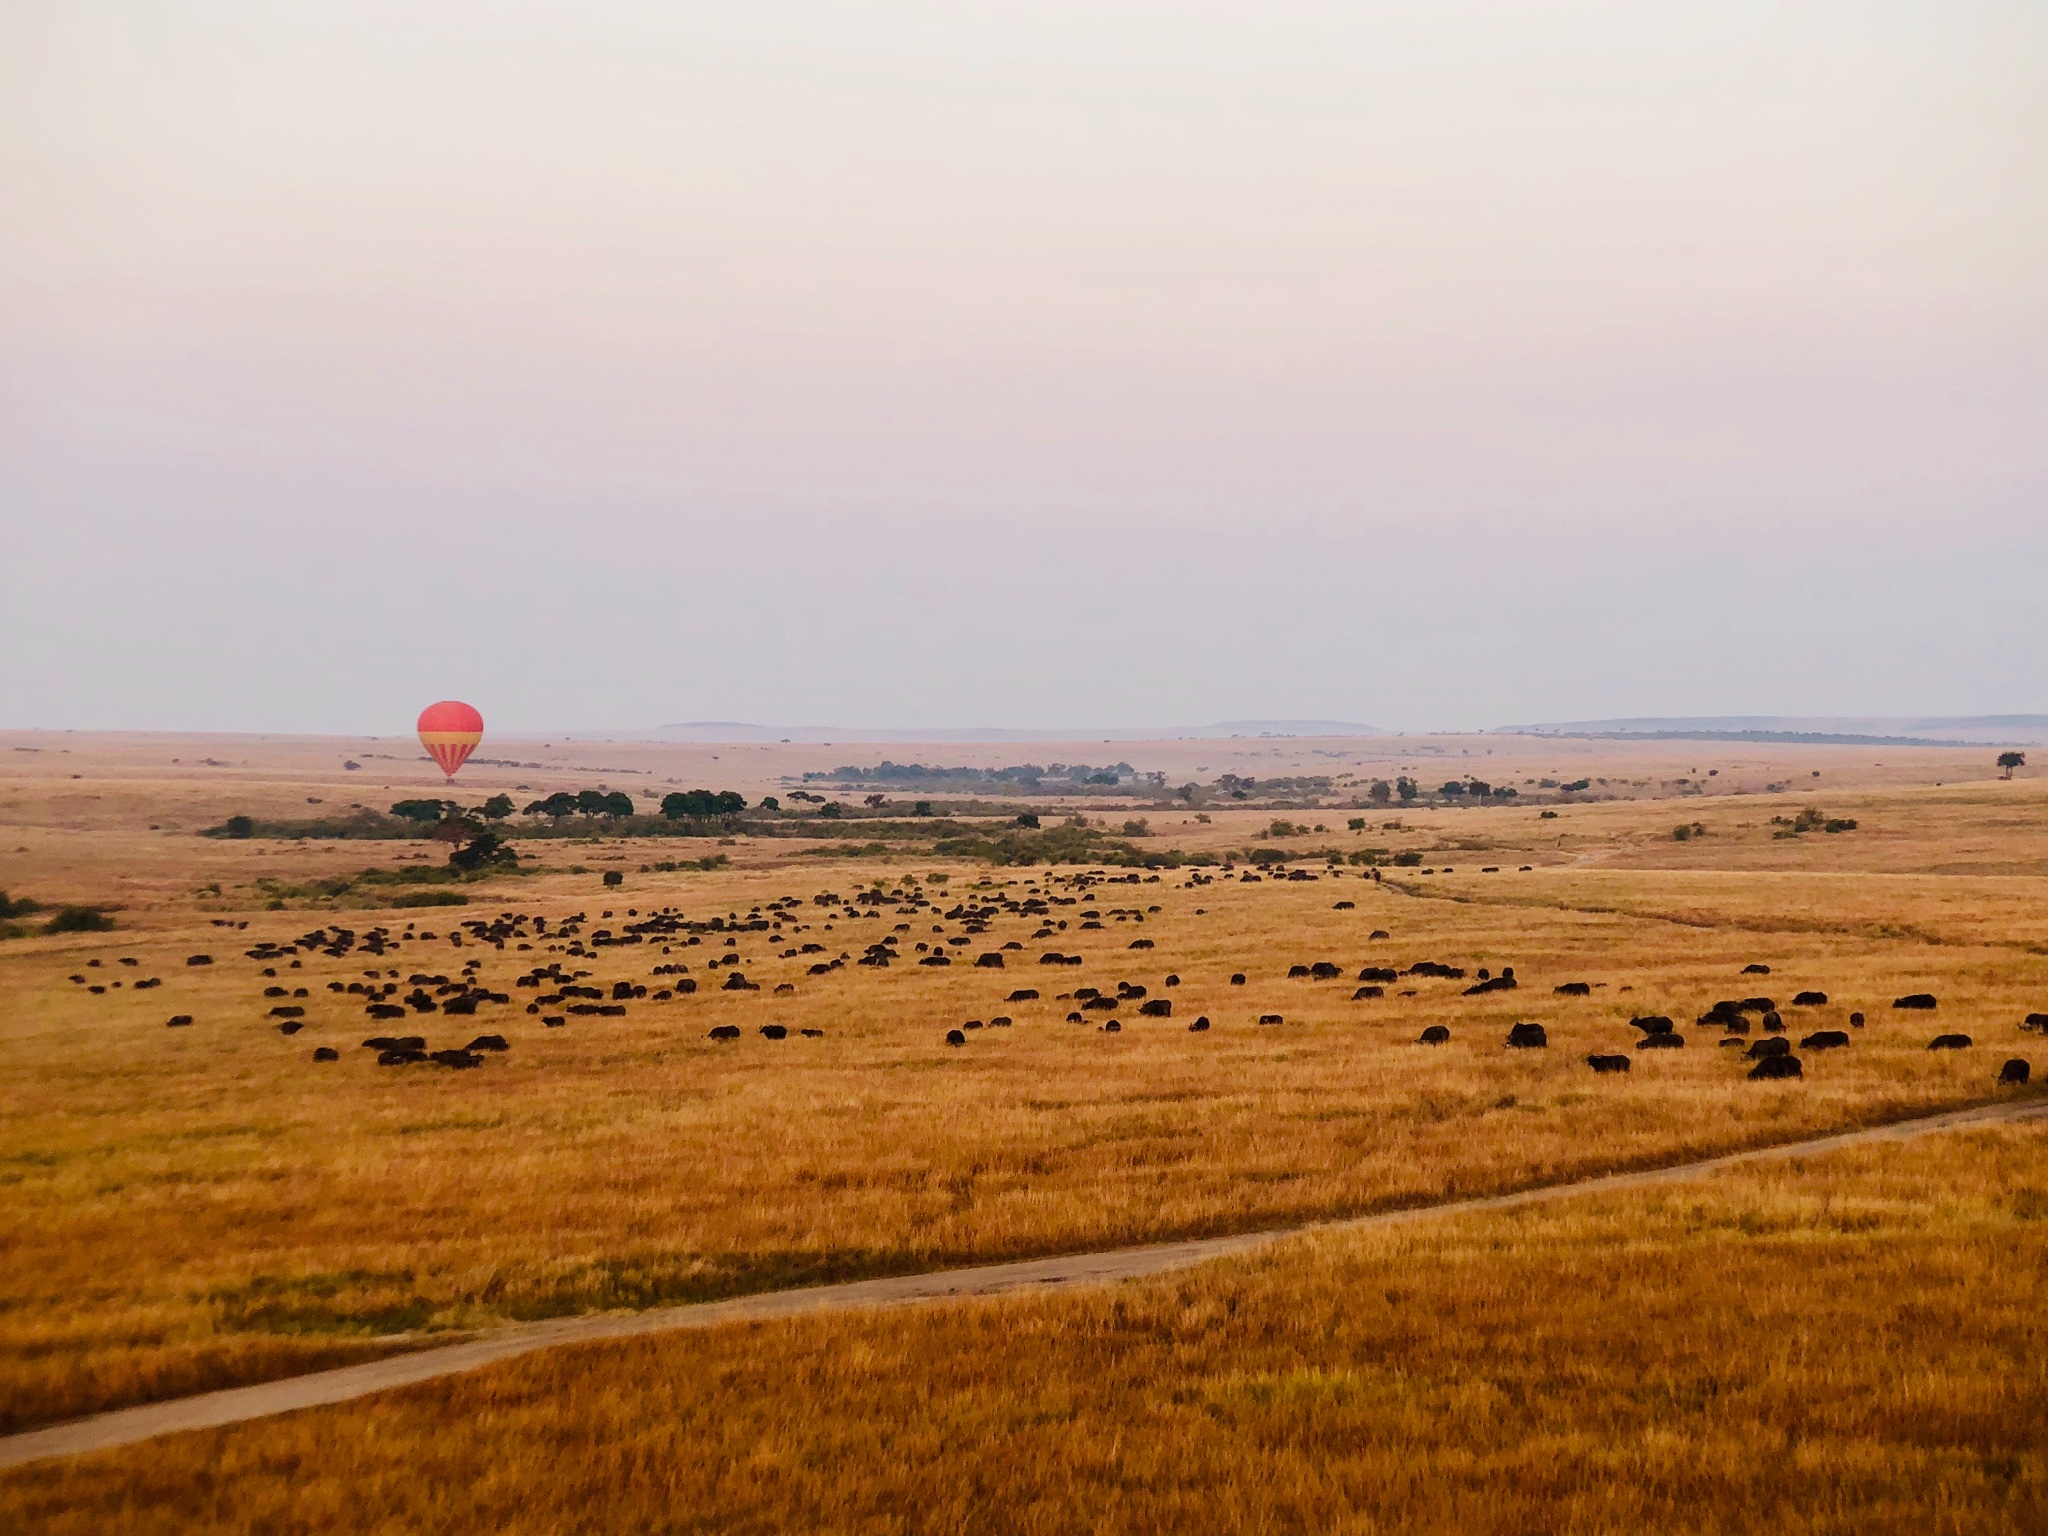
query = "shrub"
x=613 y=877
x=1407 y=788
x=1028 y=819
x=1407 y=859
x=79 y=920
x=1839 y=824
x=406 y=810
x=430 y=899
x=20 y=906
x=481 y=852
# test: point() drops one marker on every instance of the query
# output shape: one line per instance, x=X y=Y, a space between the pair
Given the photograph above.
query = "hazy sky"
x=1436 y=364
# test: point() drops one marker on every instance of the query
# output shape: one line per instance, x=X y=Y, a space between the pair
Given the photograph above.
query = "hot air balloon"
x=450 y=731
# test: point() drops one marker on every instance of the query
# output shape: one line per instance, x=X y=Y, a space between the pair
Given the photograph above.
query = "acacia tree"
x=2011 y=760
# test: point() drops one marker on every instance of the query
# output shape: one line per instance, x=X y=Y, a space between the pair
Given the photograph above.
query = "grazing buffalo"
x=1950 y=1043
x=1773 y=1023
x=1158 y=1008
x=1661 y=1040
x=723 y=1032
x=290 y=1027
x=1112 y=1028
x=1296 y=970
x=812 y=1034
x=2036 y=1021
x=1382 y=973
x=1810 y=1000
x=1576 y=989
x=1344 y=906
x=1777 y=1046
x=1378 y=933
x=1141 y=944
x=1365 y=992
x=1237 y=978
x=1436 y=1034
x=178 y=1021
x=992 y=961
x=553 y=1020
x=1825 y=1040
x=782 y=989
x=1000 y=1021
x=1772 y=1068
x=1856 y=1020
x=1199 y=1025
x=1608 y=1063
x=1172 y=979
x=2015 y=1071
x=1023 y=995
x=459 y=1061
x=199 y=959
x=1918 y=1000
x=1505 y=982
x=775 y=1031
x=1754 y=969
x=329 y=1053
x=400 y=1058
x=1271 y=1018
x=1652 y=1024
x=1526 y=1037
x=955 y=1037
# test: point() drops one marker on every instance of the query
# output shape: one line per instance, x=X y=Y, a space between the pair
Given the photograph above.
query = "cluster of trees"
x=584 y=802
x=702 y=804
x=497 y=808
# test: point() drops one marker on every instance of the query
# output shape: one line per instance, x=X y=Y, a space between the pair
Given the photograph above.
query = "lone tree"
x=2011 y=760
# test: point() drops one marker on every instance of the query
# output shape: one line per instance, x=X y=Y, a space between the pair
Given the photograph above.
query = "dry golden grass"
x=1850 y=1344
x=185 y=1209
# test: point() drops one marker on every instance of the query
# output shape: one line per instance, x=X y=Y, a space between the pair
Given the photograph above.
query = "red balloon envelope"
x=450 y=731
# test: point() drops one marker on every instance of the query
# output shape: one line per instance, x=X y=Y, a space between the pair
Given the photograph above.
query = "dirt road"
x=126 y=1426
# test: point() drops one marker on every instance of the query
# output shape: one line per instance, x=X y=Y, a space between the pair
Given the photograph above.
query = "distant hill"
x=1852 y=730
x=720 y=732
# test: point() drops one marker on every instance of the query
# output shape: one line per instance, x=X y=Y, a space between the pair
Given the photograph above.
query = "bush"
x=79 y=920
x=481 y=852
x=431 y=899
x=405 y=810
x=238 y=826
x=1407 y=859
x=1838 y=824
x=613 y=877
x=21 y=906
x=1028 y=819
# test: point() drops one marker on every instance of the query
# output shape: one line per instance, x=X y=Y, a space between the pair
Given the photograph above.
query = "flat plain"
x=207 y=1205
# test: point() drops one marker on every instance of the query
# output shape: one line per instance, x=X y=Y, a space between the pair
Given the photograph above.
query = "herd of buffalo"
x=557 y=990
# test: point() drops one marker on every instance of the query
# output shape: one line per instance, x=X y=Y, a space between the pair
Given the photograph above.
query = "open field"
x=1848 y=1343
x=195 y=1207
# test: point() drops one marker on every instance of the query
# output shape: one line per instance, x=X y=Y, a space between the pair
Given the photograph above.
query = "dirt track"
x=126 y=1426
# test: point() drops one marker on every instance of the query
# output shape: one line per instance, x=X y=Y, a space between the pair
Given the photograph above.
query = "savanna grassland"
x=1851 y=1343
x=206 y=1205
